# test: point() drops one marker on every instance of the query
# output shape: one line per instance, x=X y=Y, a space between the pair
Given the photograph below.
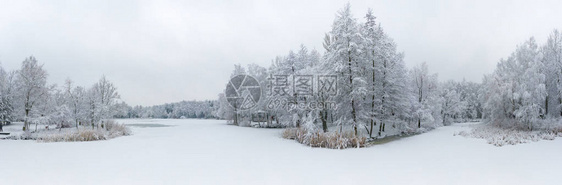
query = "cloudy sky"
x=167 y=51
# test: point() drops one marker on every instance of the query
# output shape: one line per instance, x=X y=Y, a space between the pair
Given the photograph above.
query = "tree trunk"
x=354 y=116
x=373 y=100
x=371 y=131
x=380 y=128
x=560 y=102
x=269 y=119
x=353 y=112
x=26 y=121
x=235 y=118
x=419 y=123
x=546 y=106
x=324 y=117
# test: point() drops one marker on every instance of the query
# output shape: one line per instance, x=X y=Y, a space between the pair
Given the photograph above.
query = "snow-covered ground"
x=211 y=152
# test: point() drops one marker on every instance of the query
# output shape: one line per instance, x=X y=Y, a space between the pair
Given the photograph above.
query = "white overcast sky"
x=167 y=51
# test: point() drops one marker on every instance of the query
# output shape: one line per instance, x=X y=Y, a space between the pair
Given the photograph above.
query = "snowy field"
x=211 y=152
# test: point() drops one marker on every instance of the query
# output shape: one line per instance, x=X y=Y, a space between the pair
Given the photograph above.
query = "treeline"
x=179 y=110
x=375 y=92
x=25 y=96
x=525 y=90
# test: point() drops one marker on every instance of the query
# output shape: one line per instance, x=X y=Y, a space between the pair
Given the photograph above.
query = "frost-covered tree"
x=387 y=99
x=452 y=106
x=101 y=99
x=32 y=86
x=121 y=110
x=7 y=96
x=238 y=70
x=76 y=101
x=280 y=86
x=469 y=92
x=425 y=102
x=552 y=63
x=531 y=92
x=58 y=112
x=372 y=35
x=345 y=54
x=224 y=111
x=515 y=94
x=393 y=81
x=108 y=97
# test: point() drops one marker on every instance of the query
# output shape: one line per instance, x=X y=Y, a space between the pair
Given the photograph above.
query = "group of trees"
x=525 y=89
x=460 y=101
x=374 y=88
x=184 y=109
x=26 y=96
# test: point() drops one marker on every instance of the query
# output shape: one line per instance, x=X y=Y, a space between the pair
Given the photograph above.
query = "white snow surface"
x=211 y=152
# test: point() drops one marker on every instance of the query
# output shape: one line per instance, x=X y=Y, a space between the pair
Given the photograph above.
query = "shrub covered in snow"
x=500 y=136
x=115 y=129
x=314 y=137
x=111 y=130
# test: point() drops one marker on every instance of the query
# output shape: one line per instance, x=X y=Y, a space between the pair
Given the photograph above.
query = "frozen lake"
x=211 y=152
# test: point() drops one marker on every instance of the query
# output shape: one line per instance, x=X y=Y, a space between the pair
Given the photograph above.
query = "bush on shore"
x=501 y=136
x=108 y=130
x=317 y=138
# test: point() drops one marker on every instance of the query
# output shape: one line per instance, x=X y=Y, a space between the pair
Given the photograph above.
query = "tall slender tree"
x=345 y=53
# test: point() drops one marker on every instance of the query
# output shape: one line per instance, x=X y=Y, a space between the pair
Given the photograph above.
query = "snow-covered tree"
x=7 y=96
x=387 y=99
x=469 y=92
x=224 y=111
x=32 y=86
x=372 y=35
x=108 y=97
x=515 y=94
x=101 y=99
x=76 y=101
x=426 y=104
x=58 y=112
x=452 y=106
x=531 y=92
x=345 y=54
x=552 y=64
